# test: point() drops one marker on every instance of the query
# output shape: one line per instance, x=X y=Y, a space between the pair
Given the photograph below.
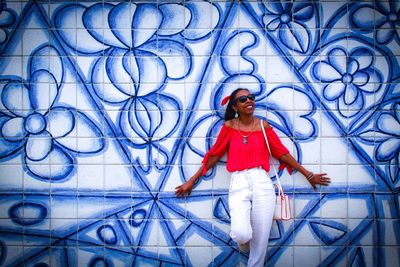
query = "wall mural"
x=107 y=107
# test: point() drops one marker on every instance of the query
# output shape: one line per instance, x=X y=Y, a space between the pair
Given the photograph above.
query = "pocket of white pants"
x=234 y=178
x=238 y=183
x=265 y=184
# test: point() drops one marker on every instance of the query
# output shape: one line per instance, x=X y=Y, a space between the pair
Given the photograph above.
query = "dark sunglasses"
x=243 y=98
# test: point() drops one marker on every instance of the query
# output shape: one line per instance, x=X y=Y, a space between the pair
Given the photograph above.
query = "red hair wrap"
x=225 y=100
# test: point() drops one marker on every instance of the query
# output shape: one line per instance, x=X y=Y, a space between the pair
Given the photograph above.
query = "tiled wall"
x=106 y=107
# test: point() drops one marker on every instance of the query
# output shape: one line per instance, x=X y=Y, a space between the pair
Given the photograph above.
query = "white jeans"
x=251 y=204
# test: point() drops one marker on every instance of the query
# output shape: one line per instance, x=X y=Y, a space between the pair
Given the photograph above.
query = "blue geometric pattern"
x=106 y=107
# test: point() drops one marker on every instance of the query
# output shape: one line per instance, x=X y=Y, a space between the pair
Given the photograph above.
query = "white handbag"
x=282 y=207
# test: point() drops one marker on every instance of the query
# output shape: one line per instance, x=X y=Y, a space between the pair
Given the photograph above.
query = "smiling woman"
x=251 y=193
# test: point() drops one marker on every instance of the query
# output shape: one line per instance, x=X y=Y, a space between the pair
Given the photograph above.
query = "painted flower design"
x=348 y=77
x=384 y=18
x=45 y=131
x=289 y=20
x=7 y=18
x=386 y=138
x=388 y=126
x=136 y=64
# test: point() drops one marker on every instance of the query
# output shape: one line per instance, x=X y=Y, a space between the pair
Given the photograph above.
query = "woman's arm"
x=209 y=161
x=187 y=187
x=313 y=178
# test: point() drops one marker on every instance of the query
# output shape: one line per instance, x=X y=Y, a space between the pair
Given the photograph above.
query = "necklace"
x=244 y=140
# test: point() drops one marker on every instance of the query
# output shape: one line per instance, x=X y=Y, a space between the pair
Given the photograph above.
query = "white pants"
x=251 y=204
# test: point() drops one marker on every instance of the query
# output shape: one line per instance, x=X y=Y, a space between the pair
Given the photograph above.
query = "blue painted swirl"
x=27 y=213
x=107 y=234
x=137 y=217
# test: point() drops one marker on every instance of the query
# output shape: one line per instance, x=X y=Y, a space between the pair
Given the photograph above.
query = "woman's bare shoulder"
x=229 y=123
x=266 y=124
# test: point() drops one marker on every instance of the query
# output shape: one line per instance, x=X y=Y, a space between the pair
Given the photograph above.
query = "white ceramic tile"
x=335 y=207
x=199 y=256
x=141 y=103
x=304 y=255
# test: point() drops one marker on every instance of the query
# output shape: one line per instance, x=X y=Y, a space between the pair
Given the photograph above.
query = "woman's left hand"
x=321 y=179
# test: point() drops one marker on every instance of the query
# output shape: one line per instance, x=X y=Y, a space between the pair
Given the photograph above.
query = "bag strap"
x=278 y=183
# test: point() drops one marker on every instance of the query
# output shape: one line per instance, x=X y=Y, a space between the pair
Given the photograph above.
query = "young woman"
x=251 y=192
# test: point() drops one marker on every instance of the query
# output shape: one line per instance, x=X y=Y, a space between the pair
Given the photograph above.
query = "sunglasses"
x=243 y=98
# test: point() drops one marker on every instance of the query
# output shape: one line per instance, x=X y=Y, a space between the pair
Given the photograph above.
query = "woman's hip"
x=254 y=181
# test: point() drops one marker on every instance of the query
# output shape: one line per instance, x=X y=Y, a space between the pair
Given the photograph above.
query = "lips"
x=249 y=107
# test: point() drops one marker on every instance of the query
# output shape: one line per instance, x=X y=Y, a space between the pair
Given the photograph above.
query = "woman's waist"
x=249 y=176
x=245 y=166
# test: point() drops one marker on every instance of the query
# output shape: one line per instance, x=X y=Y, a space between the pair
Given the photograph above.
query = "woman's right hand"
x=184 y=188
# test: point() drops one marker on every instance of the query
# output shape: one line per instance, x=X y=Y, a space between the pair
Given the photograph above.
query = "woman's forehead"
x=242 y=92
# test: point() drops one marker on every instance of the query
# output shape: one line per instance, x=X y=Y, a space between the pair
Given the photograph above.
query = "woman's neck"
x=246 y=119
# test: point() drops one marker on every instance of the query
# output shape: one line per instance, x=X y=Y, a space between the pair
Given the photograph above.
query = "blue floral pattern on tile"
x=34 y=124
x=7 y=19
x=106 y=107
x=386 y=140
x=288 y=19
x=385 y=23
x=347 y=77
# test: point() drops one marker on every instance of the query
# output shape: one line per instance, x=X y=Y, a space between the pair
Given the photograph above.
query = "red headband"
x=225 y=100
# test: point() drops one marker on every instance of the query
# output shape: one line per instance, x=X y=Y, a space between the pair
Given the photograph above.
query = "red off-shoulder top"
x=246 y=156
